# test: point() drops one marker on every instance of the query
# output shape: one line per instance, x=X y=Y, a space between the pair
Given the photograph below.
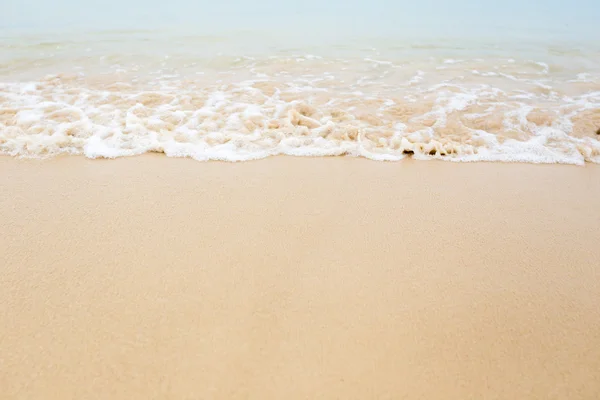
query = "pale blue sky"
x=574 y=18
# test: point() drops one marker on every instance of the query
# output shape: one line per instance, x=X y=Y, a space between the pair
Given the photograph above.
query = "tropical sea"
x=234 y=81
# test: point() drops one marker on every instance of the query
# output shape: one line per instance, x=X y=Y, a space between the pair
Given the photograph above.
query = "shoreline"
x=292 y=277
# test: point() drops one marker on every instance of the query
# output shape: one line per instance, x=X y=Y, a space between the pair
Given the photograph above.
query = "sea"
x=465 y=80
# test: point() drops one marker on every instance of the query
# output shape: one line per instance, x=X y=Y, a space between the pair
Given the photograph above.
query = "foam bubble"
x=473 y=110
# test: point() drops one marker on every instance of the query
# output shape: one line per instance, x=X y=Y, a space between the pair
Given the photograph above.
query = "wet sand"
x=157 y=278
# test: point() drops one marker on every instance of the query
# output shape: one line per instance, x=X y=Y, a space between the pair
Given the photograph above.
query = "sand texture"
x=298 y=278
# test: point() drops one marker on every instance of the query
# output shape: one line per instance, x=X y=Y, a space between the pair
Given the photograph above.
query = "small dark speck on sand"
x=598 y=131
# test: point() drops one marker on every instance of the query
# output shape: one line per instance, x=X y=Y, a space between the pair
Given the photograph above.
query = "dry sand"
x=289 y=278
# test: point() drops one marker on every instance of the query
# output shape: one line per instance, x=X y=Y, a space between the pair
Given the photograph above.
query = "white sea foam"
x=245 y=108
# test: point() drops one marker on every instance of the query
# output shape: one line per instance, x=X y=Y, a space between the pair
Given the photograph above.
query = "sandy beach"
x=298 y=278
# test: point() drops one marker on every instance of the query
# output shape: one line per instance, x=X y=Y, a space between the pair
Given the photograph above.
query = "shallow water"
x=237 y=81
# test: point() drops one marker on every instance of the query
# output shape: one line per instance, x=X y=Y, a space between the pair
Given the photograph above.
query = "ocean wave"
x=306 y=105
